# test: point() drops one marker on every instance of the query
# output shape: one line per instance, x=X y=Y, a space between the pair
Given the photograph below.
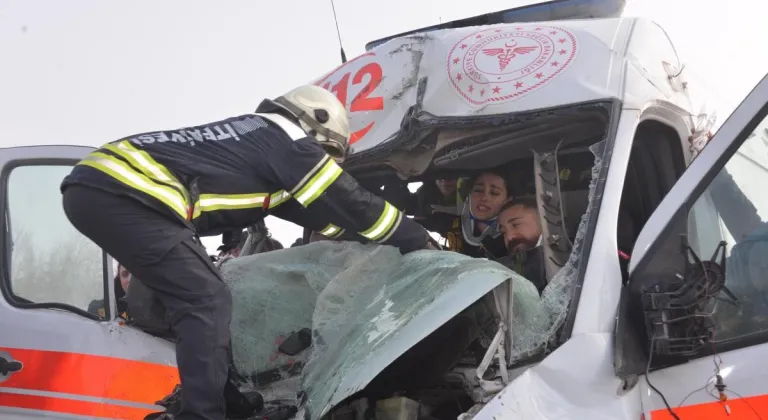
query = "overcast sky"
x=88 y=71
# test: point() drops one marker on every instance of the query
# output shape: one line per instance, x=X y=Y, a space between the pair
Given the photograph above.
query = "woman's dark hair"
x=499 y=172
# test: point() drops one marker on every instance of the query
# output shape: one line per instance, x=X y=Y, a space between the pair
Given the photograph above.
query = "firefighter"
x=146 y=199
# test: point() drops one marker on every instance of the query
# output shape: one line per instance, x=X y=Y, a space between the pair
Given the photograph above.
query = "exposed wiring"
x=650 y=385
x=677 y=57
x=704 y=388
x=715 y=358
x=717 y=399
x=747 y=403
x=718 y=384
x=718 y=390
x=682 y=67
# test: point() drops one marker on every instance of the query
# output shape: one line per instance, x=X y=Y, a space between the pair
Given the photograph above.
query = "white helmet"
x=321 y=116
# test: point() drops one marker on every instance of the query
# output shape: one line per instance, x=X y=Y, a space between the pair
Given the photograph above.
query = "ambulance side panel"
x=63 y=352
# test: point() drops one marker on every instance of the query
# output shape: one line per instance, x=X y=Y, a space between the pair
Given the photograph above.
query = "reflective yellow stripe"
x=318 y=183
x=278 y=198
x=331 y=231
x=150 y=178
x=385 y=225
x=196 y=210
x=395 y=225
x=146 y=164
x=128 y=176
x=214 y=202
x=309 y=175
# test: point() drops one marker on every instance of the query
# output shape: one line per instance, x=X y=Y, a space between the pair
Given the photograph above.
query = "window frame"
x=670 y=218
x=747 y=340
x=6 y=167
x=566 y=329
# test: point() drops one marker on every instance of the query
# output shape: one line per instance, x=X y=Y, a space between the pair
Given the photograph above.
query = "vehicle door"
x=690 y=365
x=64 y=351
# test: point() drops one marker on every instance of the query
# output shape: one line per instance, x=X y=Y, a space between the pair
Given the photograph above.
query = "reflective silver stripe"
x=76 y=397
x=292 y=130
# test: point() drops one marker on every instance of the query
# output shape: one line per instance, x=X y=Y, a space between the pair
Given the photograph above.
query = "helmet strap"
x=311 y=122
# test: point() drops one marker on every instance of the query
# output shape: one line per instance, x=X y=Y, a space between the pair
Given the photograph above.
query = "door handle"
x=8 y=367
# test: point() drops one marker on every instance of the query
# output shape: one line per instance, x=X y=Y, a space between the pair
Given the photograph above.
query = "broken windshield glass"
x=362 y=306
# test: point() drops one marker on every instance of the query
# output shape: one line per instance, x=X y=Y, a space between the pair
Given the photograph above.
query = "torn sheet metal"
x=365 y=304
x=486 y=70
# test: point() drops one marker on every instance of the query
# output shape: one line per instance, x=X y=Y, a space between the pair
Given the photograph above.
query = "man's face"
x=446 y=186
x=520 y=226
x=125 y=277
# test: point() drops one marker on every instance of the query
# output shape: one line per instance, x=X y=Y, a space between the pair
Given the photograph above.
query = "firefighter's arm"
x=328 y=193
x=291 y=211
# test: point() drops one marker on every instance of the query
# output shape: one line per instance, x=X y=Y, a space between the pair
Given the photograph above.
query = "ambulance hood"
x=410 y=83
x=365 y=305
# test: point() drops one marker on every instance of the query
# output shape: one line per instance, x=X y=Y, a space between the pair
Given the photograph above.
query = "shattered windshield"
x=356 y=299
x=317 y=323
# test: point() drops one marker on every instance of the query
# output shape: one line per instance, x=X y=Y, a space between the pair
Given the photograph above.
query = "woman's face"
x=488 y=195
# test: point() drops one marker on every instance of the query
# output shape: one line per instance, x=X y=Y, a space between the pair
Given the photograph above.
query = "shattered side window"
x=530 y=336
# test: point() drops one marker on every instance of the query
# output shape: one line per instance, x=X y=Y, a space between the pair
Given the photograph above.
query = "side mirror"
x=665 y=309
x=675 y=310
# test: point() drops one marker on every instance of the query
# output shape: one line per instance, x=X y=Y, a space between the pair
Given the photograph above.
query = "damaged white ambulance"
x=596 y=118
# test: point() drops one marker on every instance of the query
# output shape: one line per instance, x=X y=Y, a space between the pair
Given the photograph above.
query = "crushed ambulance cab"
x=640 y=210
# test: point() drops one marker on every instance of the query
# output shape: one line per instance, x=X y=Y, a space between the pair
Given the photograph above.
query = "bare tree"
x=63 y=270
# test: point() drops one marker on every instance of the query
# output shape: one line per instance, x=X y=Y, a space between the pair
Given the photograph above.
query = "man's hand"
x=433 y=245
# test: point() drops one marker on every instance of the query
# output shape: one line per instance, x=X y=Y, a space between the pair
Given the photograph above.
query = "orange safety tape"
x=78 y=407
x=90 y=375
x=752 y=408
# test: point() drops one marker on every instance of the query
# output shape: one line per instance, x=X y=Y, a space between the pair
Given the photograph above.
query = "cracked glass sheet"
x=352 y=296
x=533 y=329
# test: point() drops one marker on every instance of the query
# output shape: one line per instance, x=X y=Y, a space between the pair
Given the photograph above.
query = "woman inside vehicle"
x=472 y=229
